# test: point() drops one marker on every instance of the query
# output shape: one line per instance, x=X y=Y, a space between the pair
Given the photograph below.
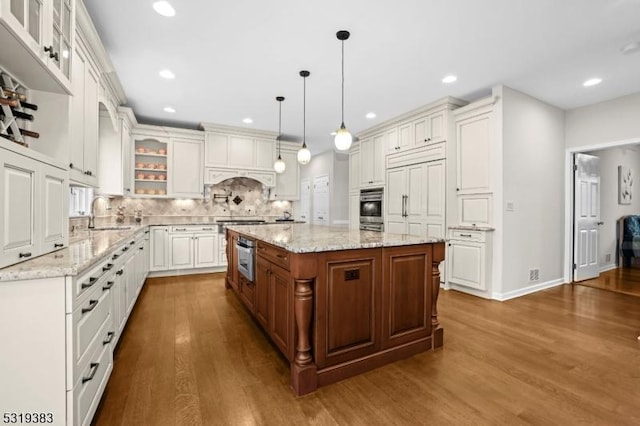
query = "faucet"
x=287 y=215
x=92 y=214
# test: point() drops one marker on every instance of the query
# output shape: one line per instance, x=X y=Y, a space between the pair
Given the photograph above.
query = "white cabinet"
x=372 y=161
x=354 y=211
x=193 y=247
x=222 y=250
x=474 y=164
x=34 y=207
x=159 y=253
x=304 y=212
x=116 y=153
x=416 y=199
x=354 y=171
x=429 y=129
x=83 y=153
x=185 y=168
x=288 y=182
x=469 y=259
x=226 y=149
x=37 y=35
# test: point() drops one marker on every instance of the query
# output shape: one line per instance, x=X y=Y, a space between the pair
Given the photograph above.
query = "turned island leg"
x=438 y=334
x=303 y=369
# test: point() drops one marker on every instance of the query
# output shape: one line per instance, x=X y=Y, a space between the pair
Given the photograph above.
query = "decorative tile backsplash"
x=237 y=197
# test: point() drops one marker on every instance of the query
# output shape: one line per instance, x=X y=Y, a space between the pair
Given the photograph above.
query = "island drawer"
x=274 y=254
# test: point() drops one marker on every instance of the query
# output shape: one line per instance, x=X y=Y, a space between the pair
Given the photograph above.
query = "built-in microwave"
x=371 y=205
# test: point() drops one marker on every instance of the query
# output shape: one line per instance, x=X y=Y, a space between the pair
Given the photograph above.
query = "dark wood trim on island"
x=337 y=312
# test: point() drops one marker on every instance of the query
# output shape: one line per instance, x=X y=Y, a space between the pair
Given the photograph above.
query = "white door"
x=180 y=251
x=305 y=200
x=321 y=200
x=55 y=197
x=395 y=201
x=586 y=216
x=205 y=250
x=186 y=168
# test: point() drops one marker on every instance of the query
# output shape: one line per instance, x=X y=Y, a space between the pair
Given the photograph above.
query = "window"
x=80 y=201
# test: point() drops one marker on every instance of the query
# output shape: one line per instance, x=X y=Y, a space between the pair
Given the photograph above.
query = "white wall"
x=610 y=210
x=533 y=175
x=336 y=166
x=614 y=120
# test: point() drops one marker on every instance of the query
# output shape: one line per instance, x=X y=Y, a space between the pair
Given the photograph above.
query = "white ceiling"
x=232 y=58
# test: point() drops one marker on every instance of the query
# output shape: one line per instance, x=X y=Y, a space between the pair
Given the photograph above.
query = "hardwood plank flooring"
x=624 y=280
x=192 y=355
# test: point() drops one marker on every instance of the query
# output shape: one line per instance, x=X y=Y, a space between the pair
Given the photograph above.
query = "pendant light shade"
x=304 y=155
x=343 y=137
x=279 y=166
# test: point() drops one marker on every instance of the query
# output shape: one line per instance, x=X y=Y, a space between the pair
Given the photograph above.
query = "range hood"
x=213 y=176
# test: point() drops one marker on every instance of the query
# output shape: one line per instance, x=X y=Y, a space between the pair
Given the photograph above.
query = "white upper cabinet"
x=38 y=37
x=83 y=152
x=237 y=151
x=354 y=171
x=116 y=153
x=55 y=201
x=185 y=168
x=474 y=153
x=288 y=182
x=372 y=161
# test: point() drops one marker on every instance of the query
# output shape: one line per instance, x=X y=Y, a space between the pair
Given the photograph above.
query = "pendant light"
x=343 y=136
x=304 y=155
x=279 y=166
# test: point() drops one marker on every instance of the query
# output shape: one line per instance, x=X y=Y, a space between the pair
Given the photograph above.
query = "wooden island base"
x=336 y=314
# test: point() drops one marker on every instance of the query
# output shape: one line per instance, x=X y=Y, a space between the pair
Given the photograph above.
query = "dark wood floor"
x=566 y=356
x=621 y=280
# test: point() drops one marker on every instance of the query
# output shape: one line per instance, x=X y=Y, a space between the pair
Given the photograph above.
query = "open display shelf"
x=150 y=171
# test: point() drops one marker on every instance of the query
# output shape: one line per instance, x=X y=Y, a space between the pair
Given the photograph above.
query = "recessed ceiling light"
x=164 y=8
x=630 y=47
x=449 y=79
x=167 y=74
x=371 y=115
x=169 y=109
x=592 y=82
x=247 y=120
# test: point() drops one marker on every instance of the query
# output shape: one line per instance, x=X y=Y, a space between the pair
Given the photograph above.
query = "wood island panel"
x=337 y=313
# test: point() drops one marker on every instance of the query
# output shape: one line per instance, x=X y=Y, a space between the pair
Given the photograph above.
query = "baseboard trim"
x=177 y=272
x=527 y=290
x=609 y=267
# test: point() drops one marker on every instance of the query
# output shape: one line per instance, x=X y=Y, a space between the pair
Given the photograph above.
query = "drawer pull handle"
x=91 y=282
x=94 y=369
x=125 y=249
x=466 y=235
x=58 y=245
x=132 y=243
x=21 y=255
x=120 y=272
x=110 y=336
x=207 y=229
x=115 y=256
x=146 y=232
x=141 y=248
x=92 y=306
x=181 y=229
x=108 y=267
x=282 y=256
x=108 y=286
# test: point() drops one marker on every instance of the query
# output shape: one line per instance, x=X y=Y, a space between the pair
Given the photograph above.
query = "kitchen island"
x=338 y=302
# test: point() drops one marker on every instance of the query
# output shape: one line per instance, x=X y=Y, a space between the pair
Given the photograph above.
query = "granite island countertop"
x=305 y=238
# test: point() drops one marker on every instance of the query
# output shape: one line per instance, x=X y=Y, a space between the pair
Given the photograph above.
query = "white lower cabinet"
x=57 y=355
x=469 y=260
x=222 y=250
x=34 y=212
x=159 y=253
x=190 y=247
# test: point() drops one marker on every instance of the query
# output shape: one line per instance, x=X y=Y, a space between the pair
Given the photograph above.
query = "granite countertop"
x=472 y=228
x=85 y=250
x=305 y=238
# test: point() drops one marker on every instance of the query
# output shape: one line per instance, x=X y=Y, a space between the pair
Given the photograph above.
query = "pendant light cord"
x=279 y=126
x=304 y=111
x=342 y=83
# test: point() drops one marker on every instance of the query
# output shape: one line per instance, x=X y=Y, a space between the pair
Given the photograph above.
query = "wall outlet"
x=510 y=206
x=607 y=257
x=534 y=274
